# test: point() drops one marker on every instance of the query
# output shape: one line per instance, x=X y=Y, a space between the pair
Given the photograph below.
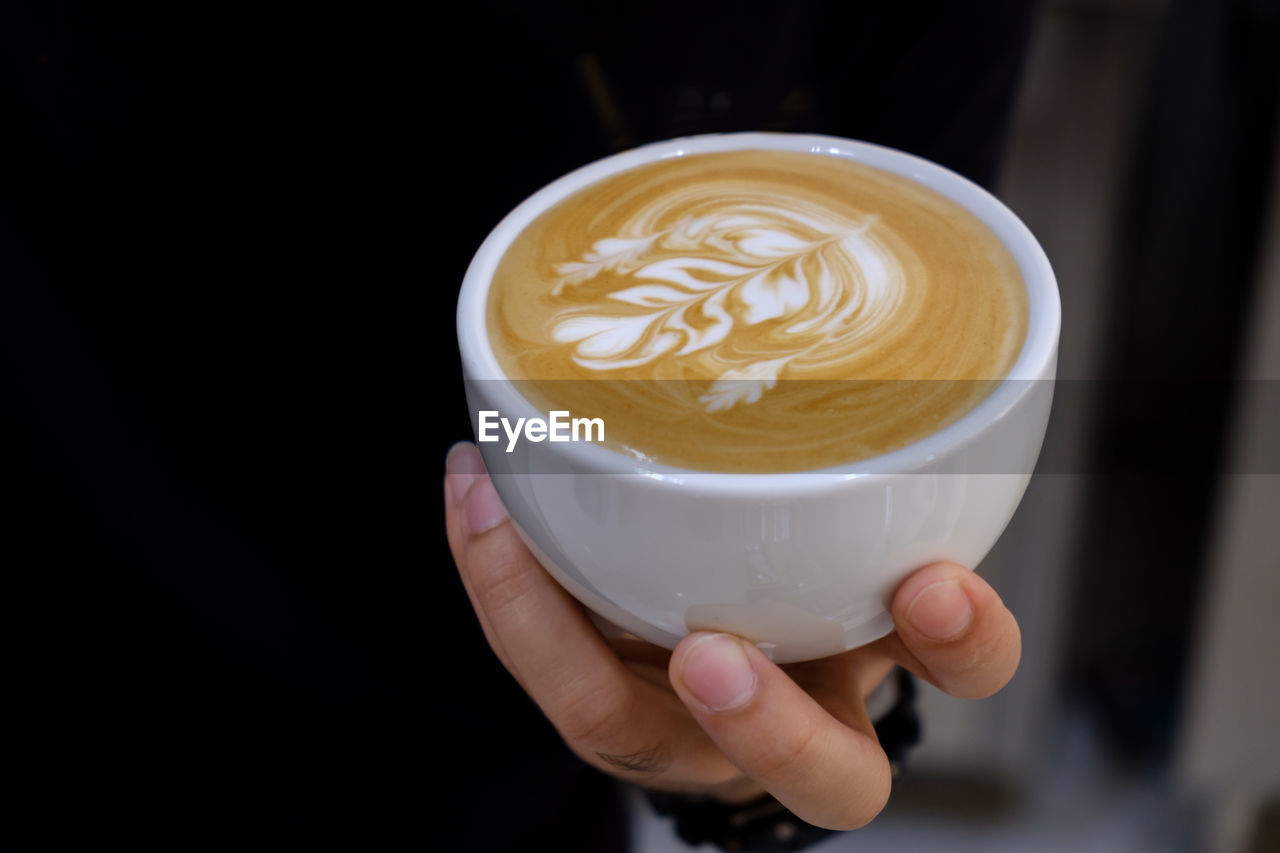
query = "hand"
x=715 y=716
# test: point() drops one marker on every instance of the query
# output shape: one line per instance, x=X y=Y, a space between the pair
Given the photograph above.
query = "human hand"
x=715 y=716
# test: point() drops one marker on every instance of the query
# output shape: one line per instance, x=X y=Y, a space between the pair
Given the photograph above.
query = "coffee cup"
x=726 y=521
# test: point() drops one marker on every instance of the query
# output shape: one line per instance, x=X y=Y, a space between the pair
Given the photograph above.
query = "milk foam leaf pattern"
x=604 y=340
x=613 y=254
x=704 y=277
x=744 y=385
x=651 y=296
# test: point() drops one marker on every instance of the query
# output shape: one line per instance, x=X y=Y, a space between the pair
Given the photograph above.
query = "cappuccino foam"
x=757 y=310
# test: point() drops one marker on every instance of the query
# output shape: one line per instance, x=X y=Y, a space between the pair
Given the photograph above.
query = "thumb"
x=954 y=631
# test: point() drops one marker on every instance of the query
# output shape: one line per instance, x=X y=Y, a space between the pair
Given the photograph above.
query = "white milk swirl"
x=827 y=283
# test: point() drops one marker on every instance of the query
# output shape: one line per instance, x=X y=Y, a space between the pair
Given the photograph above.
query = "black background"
x=232 y=241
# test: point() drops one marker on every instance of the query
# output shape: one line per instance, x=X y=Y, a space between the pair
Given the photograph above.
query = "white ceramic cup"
x=803 y=564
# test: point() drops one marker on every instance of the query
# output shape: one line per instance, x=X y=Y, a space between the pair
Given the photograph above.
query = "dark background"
x=230 y=241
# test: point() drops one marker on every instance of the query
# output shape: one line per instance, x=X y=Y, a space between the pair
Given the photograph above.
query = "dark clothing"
x=232 y=241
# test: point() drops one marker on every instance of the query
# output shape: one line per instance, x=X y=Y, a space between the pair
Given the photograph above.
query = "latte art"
x=832 y=284
x=711 y=306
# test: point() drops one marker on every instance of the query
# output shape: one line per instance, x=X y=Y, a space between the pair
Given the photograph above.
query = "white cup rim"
x=1035 y=362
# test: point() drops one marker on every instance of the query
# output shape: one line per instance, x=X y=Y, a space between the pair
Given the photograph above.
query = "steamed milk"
x=757 y=311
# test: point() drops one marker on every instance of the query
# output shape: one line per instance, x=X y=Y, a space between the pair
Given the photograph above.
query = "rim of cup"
x=1034 y=362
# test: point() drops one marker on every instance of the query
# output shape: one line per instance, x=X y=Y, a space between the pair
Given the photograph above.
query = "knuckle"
x=791 y=751
x=501 y=581
x=713 y=770
x=971 y=660
x=983 y=668
x=592 y=715
x=646 y=762
x=860 y=811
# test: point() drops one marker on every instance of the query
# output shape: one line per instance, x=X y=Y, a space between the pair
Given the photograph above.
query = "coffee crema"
x=757 y=311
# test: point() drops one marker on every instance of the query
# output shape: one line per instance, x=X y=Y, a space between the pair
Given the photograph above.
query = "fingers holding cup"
x=828 y=771
x=614 y=719
x=953 y=630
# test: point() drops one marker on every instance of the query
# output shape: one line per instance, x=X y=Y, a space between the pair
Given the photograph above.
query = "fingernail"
x=484 y=508
x=463 y=466
x=718 y=673
x=940 y=611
